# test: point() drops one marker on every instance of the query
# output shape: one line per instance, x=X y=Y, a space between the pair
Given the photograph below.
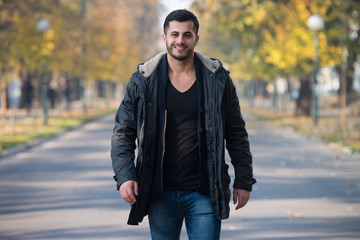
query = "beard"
x=181 y=56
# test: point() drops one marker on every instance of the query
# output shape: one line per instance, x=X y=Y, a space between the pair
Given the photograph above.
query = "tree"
x=274 y=39
x=343 y=30
x=113 y=37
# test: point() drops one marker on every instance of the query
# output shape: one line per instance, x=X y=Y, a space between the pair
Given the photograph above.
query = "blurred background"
x=295 y=62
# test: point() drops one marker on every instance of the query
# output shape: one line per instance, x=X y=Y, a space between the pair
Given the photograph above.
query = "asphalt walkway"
x=63 y=189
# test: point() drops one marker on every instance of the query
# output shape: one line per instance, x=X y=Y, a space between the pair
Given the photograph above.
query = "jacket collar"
x=210 y=63
x=147 y=68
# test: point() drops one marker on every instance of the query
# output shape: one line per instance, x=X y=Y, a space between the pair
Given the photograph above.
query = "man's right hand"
x=128 y=191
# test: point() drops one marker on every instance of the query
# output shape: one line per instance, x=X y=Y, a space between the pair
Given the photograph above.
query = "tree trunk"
x=350 y=93
x=303 y=103
x=3 y=87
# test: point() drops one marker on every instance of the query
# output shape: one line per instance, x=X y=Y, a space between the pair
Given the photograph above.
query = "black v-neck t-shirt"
x=181 y=159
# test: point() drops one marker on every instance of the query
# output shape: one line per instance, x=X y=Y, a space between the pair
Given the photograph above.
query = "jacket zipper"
x=163 y=152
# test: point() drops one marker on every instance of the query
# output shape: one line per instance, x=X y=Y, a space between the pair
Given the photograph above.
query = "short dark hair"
x=181 y=15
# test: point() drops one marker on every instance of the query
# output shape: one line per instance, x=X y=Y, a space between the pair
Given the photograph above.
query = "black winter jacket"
x=136 y=125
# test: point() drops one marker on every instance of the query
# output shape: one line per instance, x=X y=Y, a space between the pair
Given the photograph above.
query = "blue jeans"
x=166 y=216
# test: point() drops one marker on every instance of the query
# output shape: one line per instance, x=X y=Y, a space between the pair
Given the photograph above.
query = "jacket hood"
x=147 y=68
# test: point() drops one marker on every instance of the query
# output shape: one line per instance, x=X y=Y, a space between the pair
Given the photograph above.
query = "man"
x=181 y=107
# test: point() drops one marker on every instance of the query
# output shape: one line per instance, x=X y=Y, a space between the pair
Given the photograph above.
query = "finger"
x=235 y=196
x=124 y=195
x=131 y=196
x=136 y=188
x=242 y=202
x=125 y=198
x=240 y=205
x=238 y=202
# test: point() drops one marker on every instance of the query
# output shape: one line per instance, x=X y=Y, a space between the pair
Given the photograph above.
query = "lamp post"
x=316 y=23
x=83 y=54
x=43 y=25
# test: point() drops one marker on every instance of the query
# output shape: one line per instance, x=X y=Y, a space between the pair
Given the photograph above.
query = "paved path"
x=63 y=189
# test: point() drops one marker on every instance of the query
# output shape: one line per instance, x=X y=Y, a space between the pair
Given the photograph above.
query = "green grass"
x=28 y=129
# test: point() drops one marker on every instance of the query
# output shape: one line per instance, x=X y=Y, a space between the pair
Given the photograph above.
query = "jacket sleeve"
x=123 y=139
x=237 y=142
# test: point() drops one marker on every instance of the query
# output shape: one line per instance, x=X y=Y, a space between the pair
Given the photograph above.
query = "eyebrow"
x=179 y=32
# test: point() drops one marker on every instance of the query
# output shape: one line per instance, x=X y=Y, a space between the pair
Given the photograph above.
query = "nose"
x=180 y=39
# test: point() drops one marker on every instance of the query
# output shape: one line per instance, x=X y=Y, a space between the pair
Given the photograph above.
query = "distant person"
x=68 y=97
x=180 y=107
x=52 y=97
x=28 y=94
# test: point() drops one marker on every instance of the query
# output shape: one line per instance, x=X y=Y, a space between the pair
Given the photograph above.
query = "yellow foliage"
x=276 y=32
x=210 y=2
x=249 y=20
x=50 y=46
x=260 y=15
x=49 y=35
x=34 y=48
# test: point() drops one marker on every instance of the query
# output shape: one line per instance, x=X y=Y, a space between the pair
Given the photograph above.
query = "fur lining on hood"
x=148 y=67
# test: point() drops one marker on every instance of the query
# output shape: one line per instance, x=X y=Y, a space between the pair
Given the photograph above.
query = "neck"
x=183 y=66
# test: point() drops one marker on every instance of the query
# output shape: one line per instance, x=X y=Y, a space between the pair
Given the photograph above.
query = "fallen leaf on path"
x=350 y=209
x=294 y=214
x=351 y=184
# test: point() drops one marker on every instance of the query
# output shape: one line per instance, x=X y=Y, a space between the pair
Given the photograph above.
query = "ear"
x=164 y=38
x=196 y=40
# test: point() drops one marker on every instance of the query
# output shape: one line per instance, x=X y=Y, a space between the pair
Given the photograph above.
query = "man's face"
x=180 y=39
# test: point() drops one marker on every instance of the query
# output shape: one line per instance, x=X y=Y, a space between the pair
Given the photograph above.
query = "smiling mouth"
x=180 y=47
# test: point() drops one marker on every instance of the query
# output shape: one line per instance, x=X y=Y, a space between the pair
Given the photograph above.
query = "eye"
x=188 y=35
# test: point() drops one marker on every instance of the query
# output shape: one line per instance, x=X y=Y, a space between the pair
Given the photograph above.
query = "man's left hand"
x=240 y=197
